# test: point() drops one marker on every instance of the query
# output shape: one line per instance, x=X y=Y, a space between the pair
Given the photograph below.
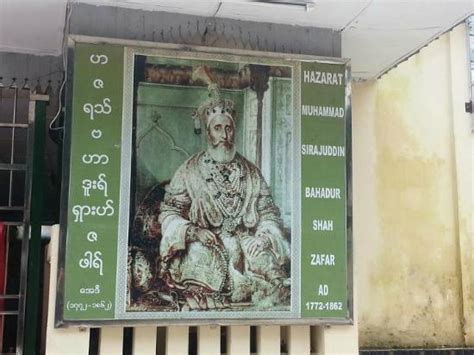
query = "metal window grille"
x=17 y=117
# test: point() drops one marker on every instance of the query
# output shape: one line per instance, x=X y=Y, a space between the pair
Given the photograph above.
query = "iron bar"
x=28 y=320
x=20 y=332
x=5 y=271
x=12 y=208
x=18 y=167
x=8 y=313
x=9 y=297
x=13 y=125
x=12 y=146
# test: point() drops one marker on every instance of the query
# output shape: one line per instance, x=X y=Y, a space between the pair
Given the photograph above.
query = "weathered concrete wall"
x=35 y=68
x=155 y=26
x=412 y=201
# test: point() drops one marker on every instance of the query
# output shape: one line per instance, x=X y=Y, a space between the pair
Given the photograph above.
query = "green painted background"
x=79 y=305
x=165 y=130
x=320 y=171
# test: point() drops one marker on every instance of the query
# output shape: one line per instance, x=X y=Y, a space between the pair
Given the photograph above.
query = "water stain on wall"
x=415 y=288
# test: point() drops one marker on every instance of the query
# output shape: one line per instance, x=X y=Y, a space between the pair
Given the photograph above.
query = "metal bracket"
x=468 y=106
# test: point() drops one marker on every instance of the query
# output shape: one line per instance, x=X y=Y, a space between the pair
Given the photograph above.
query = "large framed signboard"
x=205 y=186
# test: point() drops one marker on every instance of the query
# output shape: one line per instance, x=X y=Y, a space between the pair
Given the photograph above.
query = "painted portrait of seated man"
x=222 y=239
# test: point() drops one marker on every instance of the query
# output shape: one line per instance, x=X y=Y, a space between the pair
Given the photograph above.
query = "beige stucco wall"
x=412 y=159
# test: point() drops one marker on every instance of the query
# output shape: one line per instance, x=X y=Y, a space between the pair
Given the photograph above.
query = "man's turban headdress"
x=215 y=104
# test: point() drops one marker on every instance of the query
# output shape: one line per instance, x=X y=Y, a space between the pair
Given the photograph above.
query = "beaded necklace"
x=225 y=184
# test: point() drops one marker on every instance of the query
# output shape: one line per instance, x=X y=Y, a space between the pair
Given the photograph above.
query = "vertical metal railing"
x=17 y=120
x=30 y=298
x=25 y=238
x=11 y=215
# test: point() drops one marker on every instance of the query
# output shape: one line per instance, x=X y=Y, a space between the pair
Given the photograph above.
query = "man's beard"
x=221 y=152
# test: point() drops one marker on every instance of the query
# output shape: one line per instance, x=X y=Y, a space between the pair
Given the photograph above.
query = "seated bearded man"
x=222 y=240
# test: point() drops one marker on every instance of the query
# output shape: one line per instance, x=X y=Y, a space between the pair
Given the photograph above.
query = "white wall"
x=412 y=201
x=32 y=26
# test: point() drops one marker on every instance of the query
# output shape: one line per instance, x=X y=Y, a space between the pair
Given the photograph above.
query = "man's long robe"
x=235 y=216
